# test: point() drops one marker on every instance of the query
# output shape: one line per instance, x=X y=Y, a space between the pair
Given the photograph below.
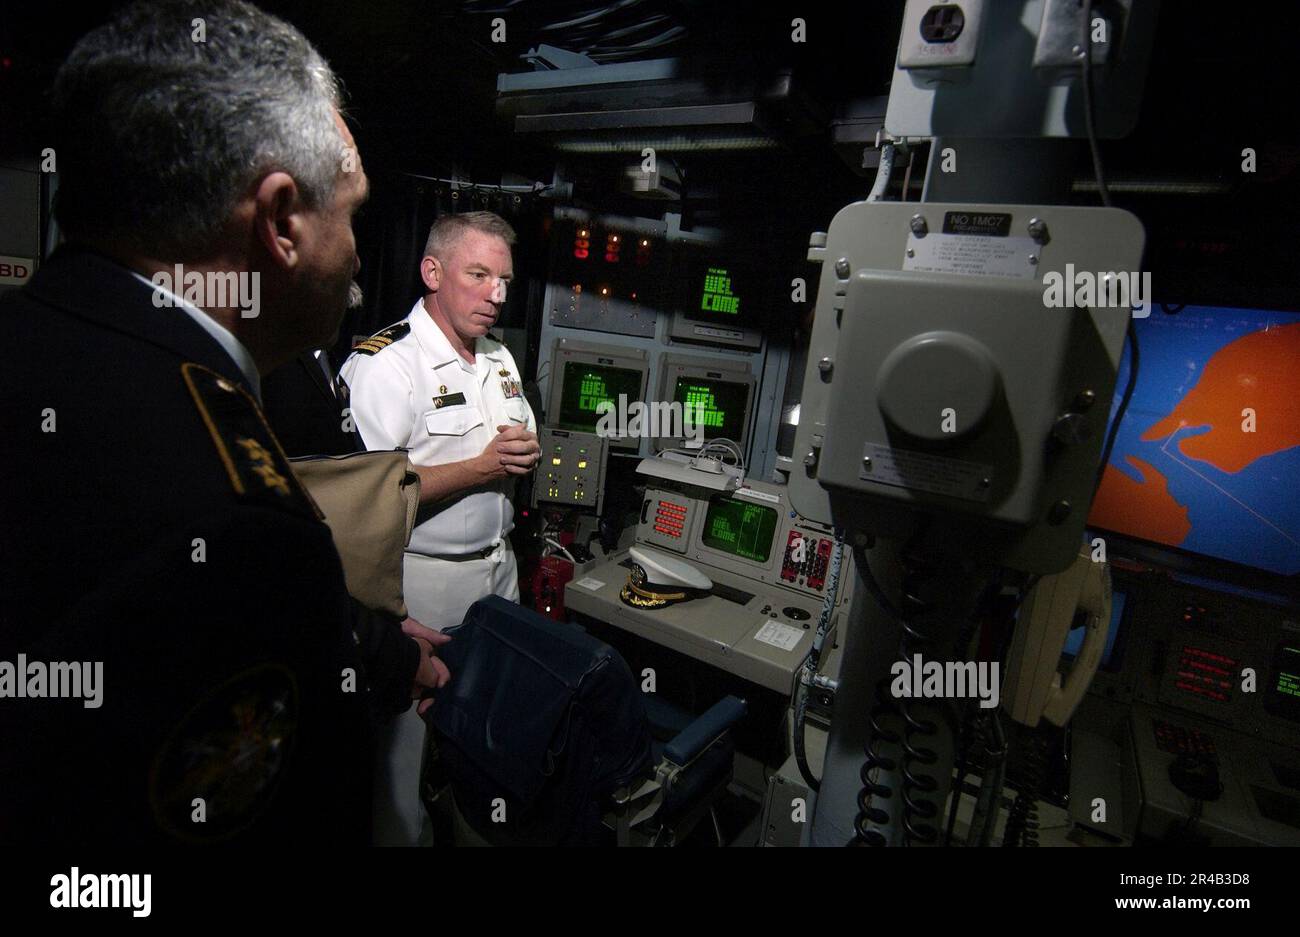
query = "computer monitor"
x=716 y=291
x=717 y=391
x=739 y=528
x=1206 y=461
x=718 y=299
x=588 y=379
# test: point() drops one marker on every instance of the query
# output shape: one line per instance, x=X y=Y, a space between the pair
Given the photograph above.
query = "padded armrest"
x=702 y=733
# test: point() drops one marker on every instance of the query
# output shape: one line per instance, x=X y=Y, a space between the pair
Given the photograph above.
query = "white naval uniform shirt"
x=392 y=395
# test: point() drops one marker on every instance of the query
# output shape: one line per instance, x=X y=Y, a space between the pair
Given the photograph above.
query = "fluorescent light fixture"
x=677 y=143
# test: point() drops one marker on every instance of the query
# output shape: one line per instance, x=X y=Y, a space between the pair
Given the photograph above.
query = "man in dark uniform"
x=303 y=405
x=150 y=522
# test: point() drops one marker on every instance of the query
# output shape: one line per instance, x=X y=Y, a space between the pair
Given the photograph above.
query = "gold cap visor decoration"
x=639 y=593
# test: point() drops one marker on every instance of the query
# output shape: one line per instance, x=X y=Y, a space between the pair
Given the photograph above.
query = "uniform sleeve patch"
x=381 y=340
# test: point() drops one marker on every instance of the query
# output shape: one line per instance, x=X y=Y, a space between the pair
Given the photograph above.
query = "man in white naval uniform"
x=437 y=384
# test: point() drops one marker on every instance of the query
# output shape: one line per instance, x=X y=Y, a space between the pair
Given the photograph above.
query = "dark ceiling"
x=421 y=76
x=421 y=80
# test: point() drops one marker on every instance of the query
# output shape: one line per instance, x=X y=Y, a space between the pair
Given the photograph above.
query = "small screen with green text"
x=716 y=295
x=717 y=405
x=587 y=386
x=740 y=528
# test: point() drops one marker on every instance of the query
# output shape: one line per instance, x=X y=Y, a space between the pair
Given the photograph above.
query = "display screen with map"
x=1207 y=458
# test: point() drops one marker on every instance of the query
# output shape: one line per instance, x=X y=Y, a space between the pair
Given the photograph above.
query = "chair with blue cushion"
x=547 y=739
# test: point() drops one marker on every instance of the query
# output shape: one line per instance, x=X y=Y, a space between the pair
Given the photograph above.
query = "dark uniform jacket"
x=308 y=420
x=149 y=522
x=307 y=417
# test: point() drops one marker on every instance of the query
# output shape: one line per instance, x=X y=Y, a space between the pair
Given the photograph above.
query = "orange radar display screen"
x=1207 y=457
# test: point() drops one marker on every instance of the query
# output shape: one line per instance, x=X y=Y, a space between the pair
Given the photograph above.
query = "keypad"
x=816 y=559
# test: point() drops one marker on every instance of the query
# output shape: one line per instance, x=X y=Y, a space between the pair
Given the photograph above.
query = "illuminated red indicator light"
x=580 y=253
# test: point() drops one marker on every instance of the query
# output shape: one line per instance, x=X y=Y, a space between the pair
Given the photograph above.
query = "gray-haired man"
x=206 y=189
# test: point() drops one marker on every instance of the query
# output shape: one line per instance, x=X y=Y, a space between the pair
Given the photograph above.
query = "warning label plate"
x=979 y=255
x=919 y=471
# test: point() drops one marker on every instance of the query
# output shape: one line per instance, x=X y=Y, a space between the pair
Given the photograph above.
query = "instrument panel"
x=769 y=567
x=752 y=531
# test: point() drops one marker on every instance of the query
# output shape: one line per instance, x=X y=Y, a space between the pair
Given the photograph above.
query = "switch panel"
x=606 y=280
x=572 y=468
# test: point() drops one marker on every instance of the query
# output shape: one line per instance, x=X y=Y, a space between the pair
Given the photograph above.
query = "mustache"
x=355 y=297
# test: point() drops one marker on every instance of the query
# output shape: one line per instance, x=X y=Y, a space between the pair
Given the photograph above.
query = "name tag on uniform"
x=447 y=400
x=510 y=387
